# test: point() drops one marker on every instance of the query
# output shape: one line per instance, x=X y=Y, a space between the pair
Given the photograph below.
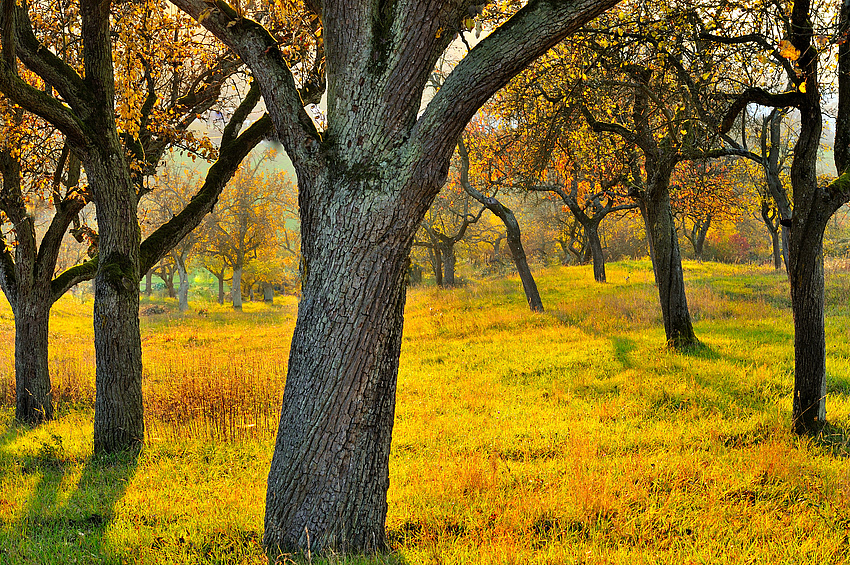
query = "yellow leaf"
x=204 y=15
x=788 y=51
x=802 y=87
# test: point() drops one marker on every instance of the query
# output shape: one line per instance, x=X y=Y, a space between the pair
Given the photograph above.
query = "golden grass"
x=568 y=437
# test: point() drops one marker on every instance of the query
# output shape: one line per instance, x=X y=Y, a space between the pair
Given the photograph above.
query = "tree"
x=703 y=192
x=244 y=221
x=175 y=187
x=365 y=183
x=28 y=150
x=445 y=226
x=797 y=53
x=116 y=145
x=508 y=218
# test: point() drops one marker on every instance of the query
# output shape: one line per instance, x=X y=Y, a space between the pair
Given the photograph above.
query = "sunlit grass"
x=573 y=436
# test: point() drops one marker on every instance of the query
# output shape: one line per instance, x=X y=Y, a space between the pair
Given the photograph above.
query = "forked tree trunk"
x=32 y=373
x=329 y=474
x=698 y=235
x=668 y=270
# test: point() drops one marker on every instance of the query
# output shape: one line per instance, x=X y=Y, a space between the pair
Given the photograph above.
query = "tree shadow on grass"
x=70 y=503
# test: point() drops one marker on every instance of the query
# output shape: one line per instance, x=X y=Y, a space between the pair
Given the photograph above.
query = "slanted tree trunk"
x=596 y=252
x=668 y=266
x=514 y=235
x=183 y=289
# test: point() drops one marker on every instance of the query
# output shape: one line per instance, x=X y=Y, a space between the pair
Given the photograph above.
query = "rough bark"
x=119 y=415
x=33 y=403
x=331 y=459
x=365 y=184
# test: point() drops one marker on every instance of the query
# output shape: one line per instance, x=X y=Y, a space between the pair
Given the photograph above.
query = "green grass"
x=568 y=437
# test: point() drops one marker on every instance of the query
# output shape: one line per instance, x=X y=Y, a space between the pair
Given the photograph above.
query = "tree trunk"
x=330 y=471
x=119 y=423
x=699 y=235
x=437 y=264
x=268 y=293
x=595 y=245
x=807 y=303
x=514 y=238
x=236 y=287
x=642 y=206
x=148 y=283
x=777 y=251
x=183 y=289
x=668 y=270
x=32 y=373
x=449 y=262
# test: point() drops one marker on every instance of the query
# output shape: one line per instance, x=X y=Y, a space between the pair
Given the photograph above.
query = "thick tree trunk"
x=596 y=252
x=268 y=293
x=330 y=471
x=807 y=303
x=183 y=289
x=118 y=413
x=236 y=288
x=668 y=270
x=32 y=374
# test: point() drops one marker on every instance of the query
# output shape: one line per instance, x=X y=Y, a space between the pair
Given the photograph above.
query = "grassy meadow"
x=569 y=437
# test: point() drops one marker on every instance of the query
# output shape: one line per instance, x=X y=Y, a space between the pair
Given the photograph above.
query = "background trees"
x=245 y=225
x=116 y=146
